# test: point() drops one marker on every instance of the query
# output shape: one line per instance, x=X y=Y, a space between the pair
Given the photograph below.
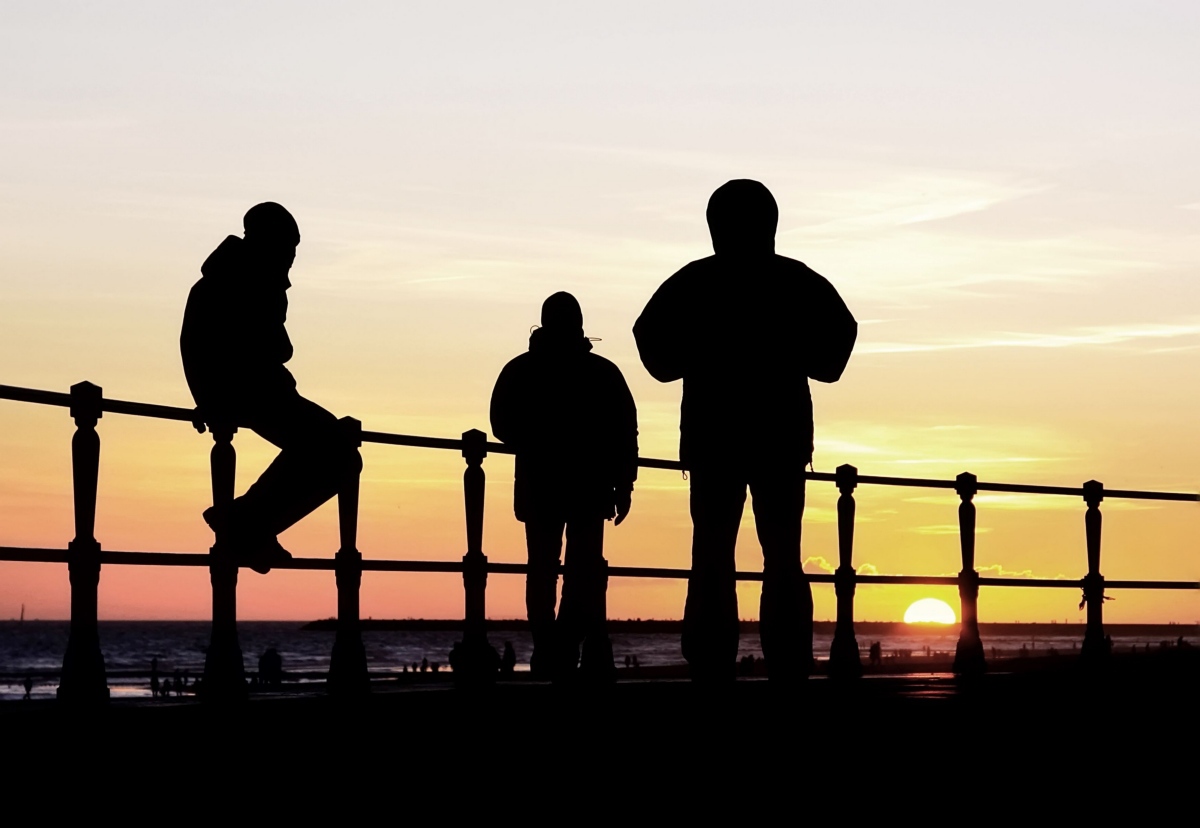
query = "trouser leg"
x=710 y=616
x=312 y=466
x=582 y=615
x=543 y=539
x=786 y=609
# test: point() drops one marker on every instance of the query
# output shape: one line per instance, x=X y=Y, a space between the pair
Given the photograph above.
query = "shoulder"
x=602 y=365
x=808 y=278
x=693 y=272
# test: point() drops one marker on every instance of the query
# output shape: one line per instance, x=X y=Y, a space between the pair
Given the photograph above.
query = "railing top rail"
x=27 y=554
x=189 y=415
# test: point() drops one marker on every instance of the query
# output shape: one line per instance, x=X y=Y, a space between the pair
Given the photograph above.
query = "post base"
x=1096 y=649
x=474 y=661
x=83 y=681
x=348 y=666
x=844 y=658
x=224 y=674
x=968 y=656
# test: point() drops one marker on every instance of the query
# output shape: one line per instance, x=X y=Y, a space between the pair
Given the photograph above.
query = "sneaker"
x=261 y=554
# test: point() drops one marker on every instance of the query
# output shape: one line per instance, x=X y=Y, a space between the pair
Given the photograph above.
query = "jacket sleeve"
x=660 y=332
x=830 y=332
x=505 y=416
x=625 y=428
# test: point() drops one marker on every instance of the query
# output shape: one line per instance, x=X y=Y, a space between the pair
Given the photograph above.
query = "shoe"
x=261 y=554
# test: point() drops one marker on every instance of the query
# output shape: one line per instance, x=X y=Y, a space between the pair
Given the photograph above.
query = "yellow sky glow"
x=1006 y=198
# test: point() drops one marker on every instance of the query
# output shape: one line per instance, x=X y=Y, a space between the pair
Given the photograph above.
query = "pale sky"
x=1007 y=198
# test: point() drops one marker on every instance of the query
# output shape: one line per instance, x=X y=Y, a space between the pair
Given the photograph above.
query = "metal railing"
x=83 y=674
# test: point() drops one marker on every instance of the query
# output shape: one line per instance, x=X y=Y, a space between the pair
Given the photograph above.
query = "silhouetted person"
x=508 y=661
x=234 y=346
x=572 y=421
x=154 y=686
x=424 y=665
x=29 y=687
x=745 y=329
x=270 y=668
x=876 y=654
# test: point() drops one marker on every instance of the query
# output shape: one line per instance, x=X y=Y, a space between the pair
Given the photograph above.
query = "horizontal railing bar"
x=167 y=412
x=40 y=555
x=411 y=440
x=159 y=412
x=33 y=395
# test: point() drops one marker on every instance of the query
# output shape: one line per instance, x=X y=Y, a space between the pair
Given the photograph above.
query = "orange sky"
x=1008 y=200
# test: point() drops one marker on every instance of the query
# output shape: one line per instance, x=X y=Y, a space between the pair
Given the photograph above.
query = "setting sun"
x=929 y=611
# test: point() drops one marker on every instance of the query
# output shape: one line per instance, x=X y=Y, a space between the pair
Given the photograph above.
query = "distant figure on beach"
x=234 y=346
x=154 y=685
x=570 y=417
x=28 y=687
x=745 y=329
x=875 y=654
x=508 y=661
x=424 y=665
x=270 y=668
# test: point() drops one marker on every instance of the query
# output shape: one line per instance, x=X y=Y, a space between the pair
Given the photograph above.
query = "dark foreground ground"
x=1131 y=725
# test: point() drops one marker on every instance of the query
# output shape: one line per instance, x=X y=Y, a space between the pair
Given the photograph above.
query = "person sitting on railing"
x=234 y=346
x=570 y=417
x=745 y=329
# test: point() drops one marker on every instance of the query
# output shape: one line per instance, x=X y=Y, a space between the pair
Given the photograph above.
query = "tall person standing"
x=569 y=416
x=745 y=329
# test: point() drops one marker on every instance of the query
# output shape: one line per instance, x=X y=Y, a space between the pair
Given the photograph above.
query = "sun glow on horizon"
x=929 y=611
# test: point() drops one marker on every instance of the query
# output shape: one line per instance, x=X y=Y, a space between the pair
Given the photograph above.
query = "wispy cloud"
x=945 y=529
x=822 y=564
x=1083 y=337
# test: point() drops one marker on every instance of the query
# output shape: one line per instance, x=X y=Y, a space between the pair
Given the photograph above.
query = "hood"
x=552 y=341
x=742 y=219
x=227 y=257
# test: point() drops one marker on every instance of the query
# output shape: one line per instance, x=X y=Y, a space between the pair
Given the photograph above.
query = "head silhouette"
x=271 y=234
x=562 y=315
x=742 y=217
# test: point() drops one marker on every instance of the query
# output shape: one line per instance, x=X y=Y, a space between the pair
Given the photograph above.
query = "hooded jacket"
x=234 y=343
x=570 y=417
x=745 y=333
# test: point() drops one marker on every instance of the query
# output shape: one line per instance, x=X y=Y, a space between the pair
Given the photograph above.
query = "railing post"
x=844 y=658
x=968 y=656
x=224 y=673
x=83 y=676
x=1095 y=647
x=476 y=660
x=348 y=663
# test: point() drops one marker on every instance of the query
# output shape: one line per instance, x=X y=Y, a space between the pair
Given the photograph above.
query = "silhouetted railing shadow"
x=83 y=674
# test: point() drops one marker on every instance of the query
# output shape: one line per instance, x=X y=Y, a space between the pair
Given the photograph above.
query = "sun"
x=929 y=611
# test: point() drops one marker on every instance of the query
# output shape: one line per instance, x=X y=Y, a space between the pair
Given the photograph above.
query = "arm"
x=830 y=331
x=625 y=458
x=505 y=416
x=660 y=331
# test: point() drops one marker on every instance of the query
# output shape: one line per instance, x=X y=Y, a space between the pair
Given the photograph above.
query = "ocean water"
x=35 y=649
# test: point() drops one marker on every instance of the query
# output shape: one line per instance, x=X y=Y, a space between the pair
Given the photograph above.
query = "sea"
x=34 y=649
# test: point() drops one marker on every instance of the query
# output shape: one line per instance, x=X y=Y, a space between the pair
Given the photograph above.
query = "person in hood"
x=571 y=420
x=235 y=348
x=745 y=329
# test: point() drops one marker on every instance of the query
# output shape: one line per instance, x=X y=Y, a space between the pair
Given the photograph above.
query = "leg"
x=543 y=538
x=710 y=616
x=582 y=617
x=786 y=609
x=311 y=468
